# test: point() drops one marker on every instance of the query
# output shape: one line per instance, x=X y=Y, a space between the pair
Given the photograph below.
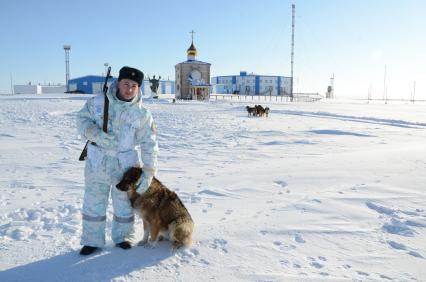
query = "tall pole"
x=384 y=85
x=11 y=84
x=67 y=64
x=293 y=8
x=369 y=94
x=106 y=68
x=414 y=90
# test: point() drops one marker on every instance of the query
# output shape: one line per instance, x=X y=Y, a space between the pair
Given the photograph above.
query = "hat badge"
x=133 y=74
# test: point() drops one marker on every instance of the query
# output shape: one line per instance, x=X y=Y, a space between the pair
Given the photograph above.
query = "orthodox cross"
x=192 y=34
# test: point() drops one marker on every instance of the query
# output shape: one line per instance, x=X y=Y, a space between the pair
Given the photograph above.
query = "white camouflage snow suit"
x=131 y=141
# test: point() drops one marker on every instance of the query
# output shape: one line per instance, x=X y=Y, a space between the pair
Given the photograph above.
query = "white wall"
x=97 y=87
x=38 y=89
x=27 y=89
x=146 y=90
x=168 y=87
x=45 y=89
x=72 y=86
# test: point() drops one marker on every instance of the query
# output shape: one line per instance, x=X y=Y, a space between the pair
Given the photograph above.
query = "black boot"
x=124 y=245
x=87 y=250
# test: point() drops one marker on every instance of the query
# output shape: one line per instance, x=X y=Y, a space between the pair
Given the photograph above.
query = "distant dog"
x=162 y=212
x=260 y=111
x=251 y=111
x=267 y=111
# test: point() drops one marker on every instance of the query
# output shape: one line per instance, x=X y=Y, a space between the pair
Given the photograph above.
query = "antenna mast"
x=384 y=85
x=414 y=91
x=11 y=84
x=293 y=7
x=67 y=64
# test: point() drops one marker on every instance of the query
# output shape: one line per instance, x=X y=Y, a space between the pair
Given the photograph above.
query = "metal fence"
x=297 y=97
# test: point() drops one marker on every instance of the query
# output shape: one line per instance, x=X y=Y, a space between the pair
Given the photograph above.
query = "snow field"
x=318 y=191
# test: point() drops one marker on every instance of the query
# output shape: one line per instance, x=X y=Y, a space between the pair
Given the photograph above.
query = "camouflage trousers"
x=100 y=181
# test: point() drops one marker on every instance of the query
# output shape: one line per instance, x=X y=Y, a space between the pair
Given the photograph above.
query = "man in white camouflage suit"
x=130 y=141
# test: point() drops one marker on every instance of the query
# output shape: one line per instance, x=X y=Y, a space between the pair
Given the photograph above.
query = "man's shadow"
x=103 y=265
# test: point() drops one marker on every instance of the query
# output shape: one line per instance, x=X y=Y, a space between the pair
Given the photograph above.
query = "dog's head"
x=130 y=179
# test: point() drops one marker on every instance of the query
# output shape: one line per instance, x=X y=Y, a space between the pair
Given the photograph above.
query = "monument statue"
x=154 y=85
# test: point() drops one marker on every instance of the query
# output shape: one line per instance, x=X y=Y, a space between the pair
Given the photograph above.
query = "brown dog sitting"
x=162 y=212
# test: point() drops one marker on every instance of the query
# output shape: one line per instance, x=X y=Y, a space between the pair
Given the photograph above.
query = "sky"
x=354 y=40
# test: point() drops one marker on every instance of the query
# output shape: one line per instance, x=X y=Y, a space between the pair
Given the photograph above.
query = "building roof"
x=245 y=74
x=91 y=77
x=251 y=75
x=194 y=62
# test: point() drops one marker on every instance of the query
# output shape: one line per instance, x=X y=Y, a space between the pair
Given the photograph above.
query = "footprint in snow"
x=283 y=246
x=385 y=277
x=402 y=247
x=397 y=246
x=415 y=254
x=219 y=244
x=186 y=255
x=281 y=183
x=284 y=262
x=208 y=206
x=21 y=233
x=298 y=238
x=195 y=199
x=190 y=252
x=398 y=227
x=317 y=265
x=363 y=273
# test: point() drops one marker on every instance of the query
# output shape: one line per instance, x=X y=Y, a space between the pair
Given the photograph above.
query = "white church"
x=192 y=77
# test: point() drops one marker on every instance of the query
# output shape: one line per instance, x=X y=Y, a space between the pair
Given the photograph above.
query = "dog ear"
x=135 y=173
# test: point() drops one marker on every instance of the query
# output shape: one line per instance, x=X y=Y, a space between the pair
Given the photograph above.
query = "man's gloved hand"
x=95 y=134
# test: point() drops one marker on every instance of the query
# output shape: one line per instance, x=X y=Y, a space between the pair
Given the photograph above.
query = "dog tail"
x=181 y=233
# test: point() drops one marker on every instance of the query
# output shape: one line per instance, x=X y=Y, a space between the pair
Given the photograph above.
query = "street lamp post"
x=106 y=67
x=67 y=49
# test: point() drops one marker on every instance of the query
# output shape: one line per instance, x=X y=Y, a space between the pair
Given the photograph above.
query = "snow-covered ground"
x=332 y=190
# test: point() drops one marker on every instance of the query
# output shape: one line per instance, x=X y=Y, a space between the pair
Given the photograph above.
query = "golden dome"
x=191 y=50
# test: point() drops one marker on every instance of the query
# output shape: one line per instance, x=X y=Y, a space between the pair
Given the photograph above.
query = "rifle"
x=83 y=155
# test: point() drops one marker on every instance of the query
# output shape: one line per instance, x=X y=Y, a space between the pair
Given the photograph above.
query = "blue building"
x=93 y=84
x=89 y=84
x=252 y=84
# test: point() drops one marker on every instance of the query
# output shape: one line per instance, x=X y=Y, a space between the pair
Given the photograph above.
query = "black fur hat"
x=132 y=74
